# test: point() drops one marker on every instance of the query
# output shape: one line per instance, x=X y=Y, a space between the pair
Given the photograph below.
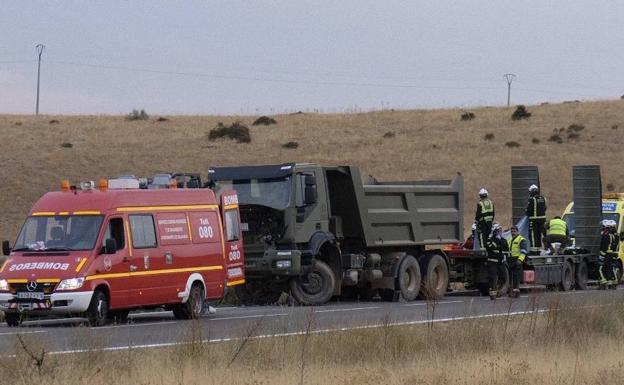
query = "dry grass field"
x=426 y=144
x=560 y=346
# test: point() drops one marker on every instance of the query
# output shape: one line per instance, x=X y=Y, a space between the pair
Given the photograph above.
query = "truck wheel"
x=192 y=308
x=97 y=313
x=582 y=275
x=408 y=279
x=436 y=280
x=317 y=287
x=567 y=277
x=13 y=319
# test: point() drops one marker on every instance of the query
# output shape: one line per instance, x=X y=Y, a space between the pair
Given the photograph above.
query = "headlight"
x=4 y=285
x=282 y=264
x=70 y=284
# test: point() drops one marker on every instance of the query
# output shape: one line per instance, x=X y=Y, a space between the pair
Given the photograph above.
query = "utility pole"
x=39 y=47
x=509 y=78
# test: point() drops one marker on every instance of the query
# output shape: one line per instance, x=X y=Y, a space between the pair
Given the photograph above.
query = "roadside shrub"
x=67 y=145
x=467 y=116
x=512 y=144
x=575 y=128
x=18 y=123
x=137 y=115
x=520 y=113
x=573 y=135
x=236 y=131
x=555 y=138
x=535 y=141
x=161 y=119
x=389 y=134
x=54 y=121
x=614 y=127
x=488 y=136
x=264 y=121
x=290 y=145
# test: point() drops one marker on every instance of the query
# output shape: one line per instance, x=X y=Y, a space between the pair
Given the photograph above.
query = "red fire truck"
x=102 y=252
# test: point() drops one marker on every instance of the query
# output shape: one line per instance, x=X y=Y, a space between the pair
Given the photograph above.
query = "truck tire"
x=436 y=279
x=317 y=287
x=408 y=279
x=13 y=319
x=581 y=276
x=97 y=313
x=192 y=308
x=567 y=277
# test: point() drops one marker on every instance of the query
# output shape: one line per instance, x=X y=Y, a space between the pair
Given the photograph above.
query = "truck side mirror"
x=6 y=250
x=110 y=246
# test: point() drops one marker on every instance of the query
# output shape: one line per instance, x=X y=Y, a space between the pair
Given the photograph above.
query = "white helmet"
x=533 y=188
x=483 y=192
x=612 y=223
x=495 y=227
x=474 y=226
x=605 y=222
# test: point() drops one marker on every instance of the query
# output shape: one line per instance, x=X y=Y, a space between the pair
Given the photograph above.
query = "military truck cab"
x=324 y=233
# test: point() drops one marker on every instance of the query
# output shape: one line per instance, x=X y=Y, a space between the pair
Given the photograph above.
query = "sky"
x=253 y=57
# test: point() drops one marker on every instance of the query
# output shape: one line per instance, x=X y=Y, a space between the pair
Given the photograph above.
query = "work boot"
x=515 y=293
x=492 y=295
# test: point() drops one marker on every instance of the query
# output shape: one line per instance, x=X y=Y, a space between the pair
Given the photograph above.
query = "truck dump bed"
x=404 y=213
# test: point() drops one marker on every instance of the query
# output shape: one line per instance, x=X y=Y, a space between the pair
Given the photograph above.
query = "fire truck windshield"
x=63 y=232
x=270 y=192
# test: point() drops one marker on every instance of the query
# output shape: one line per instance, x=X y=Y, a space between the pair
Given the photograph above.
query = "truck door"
x=311 y=211
x=117 y=262
x=233 y=239
x=143 y=286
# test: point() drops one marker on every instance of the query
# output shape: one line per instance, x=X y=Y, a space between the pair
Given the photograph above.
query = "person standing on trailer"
x=518 y=249
x=536 y=212
x=497 y=251
x=484 y=217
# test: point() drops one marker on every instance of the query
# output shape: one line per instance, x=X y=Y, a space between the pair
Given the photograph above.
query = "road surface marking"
x=132 y=325
x=431 y=304
x=247 y=316
x=15 y=333
x=347 y=309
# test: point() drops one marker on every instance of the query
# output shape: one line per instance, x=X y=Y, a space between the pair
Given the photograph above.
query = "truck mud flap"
x=548 y=274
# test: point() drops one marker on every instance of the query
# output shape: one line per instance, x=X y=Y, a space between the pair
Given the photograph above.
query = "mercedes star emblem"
x=31 y=286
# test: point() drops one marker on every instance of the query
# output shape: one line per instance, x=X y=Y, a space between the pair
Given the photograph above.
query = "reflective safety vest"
x=516 y=249
x=487 y=210
x=613 y=243
x=556 y=227
x=537 y=207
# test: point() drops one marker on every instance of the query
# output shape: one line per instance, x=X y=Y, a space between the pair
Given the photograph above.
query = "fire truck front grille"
x=47 y=287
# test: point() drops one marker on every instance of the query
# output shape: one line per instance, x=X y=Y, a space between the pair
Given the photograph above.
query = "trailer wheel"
x=13 y=319
x=567 y=277
x=97 y=313
x=582 y=275
x=317 y=287
x=408 y=281
x=436 y=280
x=193 y=306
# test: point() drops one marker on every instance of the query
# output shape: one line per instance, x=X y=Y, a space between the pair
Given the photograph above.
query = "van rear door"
x=233 y=239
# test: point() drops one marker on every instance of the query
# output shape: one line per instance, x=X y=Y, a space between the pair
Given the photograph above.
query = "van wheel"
x=408 y=280
x=567 y=277
x=436 y=280
x=193 y=306
x=317 y=287
x=97 y=313
x=13 y=319
x=582 y=274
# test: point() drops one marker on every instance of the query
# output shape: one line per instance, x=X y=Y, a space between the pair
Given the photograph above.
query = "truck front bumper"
x=55 y=303
x=275 y=262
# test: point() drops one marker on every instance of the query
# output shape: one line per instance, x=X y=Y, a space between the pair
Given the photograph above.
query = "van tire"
x=13 y=319
x=194 y=305
x=97 y=313
x=317 y=287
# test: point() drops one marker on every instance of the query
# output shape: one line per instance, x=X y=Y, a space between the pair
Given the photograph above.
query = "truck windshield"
x=271 y=192
x=569 y=219
x=63 y=232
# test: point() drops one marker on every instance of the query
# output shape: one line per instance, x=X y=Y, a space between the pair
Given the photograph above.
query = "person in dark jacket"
x=484 y=217
x=536 y=212
x=518 y=250
x=497 y=252
x=608 y=248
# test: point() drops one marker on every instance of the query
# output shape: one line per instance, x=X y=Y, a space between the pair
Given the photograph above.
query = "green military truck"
x=319 y=232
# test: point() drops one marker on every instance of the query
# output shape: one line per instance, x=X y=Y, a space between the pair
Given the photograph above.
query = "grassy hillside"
x=423 y=144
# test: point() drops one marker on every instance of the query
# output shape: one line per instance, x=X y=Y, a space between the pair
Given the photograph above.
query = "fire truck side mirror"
x=6 y=250
x=110 y=246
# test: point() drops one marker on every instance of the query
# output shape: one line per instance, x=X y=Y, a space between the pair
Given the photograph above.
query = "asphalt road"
x=160 y=329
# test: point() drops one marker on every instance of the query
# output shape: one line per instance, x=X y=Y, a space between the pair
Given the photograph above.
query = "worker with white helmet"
x=608 y=250
x=497 y=252
x=614 y=247
x=536 y=212
x=484 y=217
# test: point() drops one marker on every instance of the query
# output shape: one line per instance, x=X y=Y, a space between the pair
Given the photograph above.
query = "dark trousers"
x=606 y=270
x=495 y=271
x=536 y=228
x=552 y=238
x=515 y=272
x=484 y=228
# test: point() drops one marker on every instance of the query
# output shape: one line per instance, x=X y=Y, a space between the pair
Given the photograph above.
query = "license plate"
x=244 y=226
x=27 y=295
